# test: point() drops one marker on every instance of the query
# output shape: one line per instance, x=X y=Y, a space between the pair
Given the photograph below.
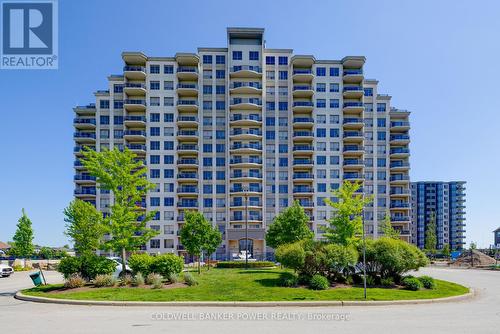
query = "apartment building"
x=246 y=124
x=446 y=202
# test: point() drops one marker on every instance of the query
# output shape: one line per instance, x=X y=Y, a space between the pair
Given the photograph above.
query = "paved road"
x=480 y=315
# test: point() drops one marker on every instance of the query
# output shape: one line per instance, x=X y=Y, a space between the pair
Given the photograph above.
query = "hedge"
x=241 y=264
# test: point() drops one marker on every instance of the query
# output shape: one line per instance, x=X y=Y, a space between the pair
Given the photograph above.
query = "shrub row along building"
x=247 y=124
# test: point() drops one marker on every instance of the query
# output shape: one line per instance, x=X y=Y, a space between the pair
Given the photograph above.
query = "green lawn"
x=245 y=285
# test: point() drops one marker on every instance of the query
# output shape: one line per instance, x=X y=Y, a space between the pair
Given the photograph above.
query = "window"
x=118 y=88
x=334 y=71
x=270 y=106
x=220 y=74
x=154 y=131
x=154 y=173
x=270 y=121
x=207 y=59
x=322 y=187
x=118 y=104
x=321 y=87
x=118 y=134
x=154 y=201
x=270 y=60
x=168 y=145
x=237 y=55
x=220 y=175
x=220 y=161
x=220 y=134
x=207 y=148
x=334 y=87
x=334 y=103
x=283 y=105
x=283 y=162
x=270 y=135
x=154 y=159
x=154 y=85
x=320 y=71
x=154 y=145
x=208 y=202
x=207 y=89
x=283 y=60
x=220 y=105
x=368 y=91
x=381 y=122
x=207 y=74
x=207 y=161
x=168 y=101
x=334 y=119
x=270 y=75
x=168 y=85
x=207 y=175
x=154 y=69
x=321 y=133
x=381 y=135
x=154 y=117
x=154 y=101
x=381 y=162
x=104 y=134
x=253 y=55
x=168 y=117
x=207 y=105
x=220 y=148
x=168 y=69
x=283 y=75
x=104 y=120
x=168 y=159
x=168 y=201
x=321 y=160
x=283 y=148
x=220 y=89
x=334 y=133
x=220 y=59
x=207 y=189
x=104 y=104
x=334 y=160
x=321 y=119
x=320 y=103
x=380 y=107
x=220 y=189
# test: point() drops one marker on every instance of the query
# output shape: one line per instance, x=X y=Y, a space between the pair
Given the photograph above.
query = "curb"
x=20 y=296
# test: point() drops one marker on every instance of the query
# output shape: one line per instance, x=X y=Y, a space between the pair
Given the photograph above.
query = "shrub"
x=304 y=279
x=74 y=281
x=412 y=283
x=349 y=280
x=126 y=280
x=167 y=264
x=156 y=281
x=173 y=278
x=388 y=281
x=190 y=279
x=319 y=282
x=339 y=259
x=87 y=266
x=428 y=282
x=140 y=263
x=138 y=280
x=151 y=278
x=288 y=280
x=241 y=264
x=104 y=280
x=370 y=281
x=291 y=255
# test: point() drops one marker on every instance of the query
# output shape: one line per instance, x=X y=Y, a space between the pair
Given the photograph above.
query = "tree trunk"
x=199 y=264
x=208 y=262
x=124 y=254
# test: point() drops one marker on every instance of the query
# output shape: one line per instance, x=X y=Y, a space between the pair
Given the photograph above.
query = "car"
x=119 y=271
x=5 y=270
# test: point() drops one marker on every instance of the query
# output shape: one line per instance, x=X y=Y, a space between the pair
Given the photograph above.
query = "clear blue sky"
x=439 y=59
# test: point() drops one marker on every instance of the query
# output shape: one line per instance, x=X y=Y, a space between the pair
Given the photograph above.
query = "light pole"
x=364 y=252
x=245 y=194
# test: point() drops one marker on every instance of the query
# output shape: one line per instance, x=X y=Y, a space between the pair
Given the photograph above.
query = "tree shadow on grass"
x=268 y=282
x=254 y=271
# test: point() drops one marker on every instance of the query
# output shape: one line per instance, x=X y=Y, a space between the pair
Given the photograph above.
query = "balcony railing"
x=132 y=68
x=84 y=121
x=303 y=148
x=400 y=137
x=247 y=68
x=302 y=71
x=187 y=119
x=84 y=177
x=135 y=118
x=350 y=176
x=353 y=120
x=246 y=160
x=399 y=178
x=84 y=135
x=243 y=174
x=136 y=147
x=241 y=189
x=399 y=164
x=303 y=104
x=303 y=176
x=353 y=72
x=187 y=133
x=303 y=190
x=302 y=162
x=349 y=162
x=192 y=190
x=85 y=191
x=243 y=218
x=252 y=146
x=302 y=87
x=187 y=204
x=256 y=85
x=303 y=134
x=353 y=88
x=135 y=101
x=184 y=69
x=303 y=120
x=187 y=86
x=348 y=134
x=350 y=148
x=393 y=124
x=246 y=100
x=135 y=85
x=187 y=176
x=396 y=205
x=187 y=103
x=240 y=117
x=399 y=150
x=250 y=203
x=188 y=147
x=353 y=104
x=187 y=162
x=400 y=218
x=237 y=132
x=134 y=133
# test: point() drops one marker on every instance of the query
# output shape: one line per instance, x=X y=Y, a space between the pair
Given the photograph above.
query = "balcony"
x=246 y=148
x=189 y=121
x=303 y=122
x=303 y=91
x=397 y=192
x=187 y=191
x=251 y=119
x=250 y=204
x=302 y=176
x=250 y=219
x=303 y=135
x=84 y=137
x=353 y=123
x=187 y=135
x=400 y=126
x=135 y=121
x=353 y=176
x=305 y=203
x=246 y=134
x=187 y=149
x=353 y=150
x=399 y=219
x=399 y=165
x=84 y=123
x=187 y=73
x=306 y=106
x=353 y=164
x=302 y=75
x=85 y=192
x=78 y=150
x=85 y=110
x=245 y=162
x=302 y=163
x=187 y=177
x=187 y=204
x=399 y=205
x=353 y=75
x=399 y=152
x=188 y=162
x=249 y=190
x=246 y=176
x=134 y=105
x=135 y=88
x=353 y=92
x=84 y=179
x=353 y=136
x=303 y=190
x=133 y=72
x=246 y=87
x=134 y=135
x=399 y=179
x=246 y=71
x=187 y=105
x=246 y=103
x=137 y=148
x=187 y=89
x=78 y=165
x=400 y=139
x=353 y=107
x=299 y=149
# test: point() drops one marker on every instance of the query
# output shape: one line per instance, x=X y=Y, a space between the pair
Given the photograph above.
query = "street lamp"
x=245 y=194
x=364 y=252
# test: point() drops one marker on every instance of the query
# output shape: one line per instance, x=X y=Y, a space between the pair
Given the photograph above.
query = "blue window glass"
x=381 y=107
x=320 y=132
x=154 y=145
x=207 y=189
x=220 y=134
x=207 y=175
x=208 y=202
x=154 y=131
x=207 y=89
x=220 y=105
x=334 y=103
x=154 y=85
x=270 y=106
x=168 y=69
x=220 y=59
x=237 y=55
x=334 y=160
x=334 y=133
x=117 y=120
x=220 y=189
x=168 y=201
x=283 y=60
x=283 y=148
x=270 y=60
x=253 y=55
x=283 y=75
x=381 y=162
x=322 y=187
x=220 y=161
x=220 y=148
x=283 y=162
x=207 y=148
x=118 y=88
x=334 y=71
x=207 y=161
x=320 y=71
x=270 y=135
x=220 y=175
x=270 y=121
x=321 y=160
x=220 y=74
x=381 y=135
x=154 y=201
x=154 y=173
x=154 y=69
x=320 y=103
x=368 y=91
x=168 y=117
x=154 y=159
x=220 y=89
x=118 y=104
x=168 y=159
x=283 y=105
x=104 y=120
x=168 y=173
x=168 y=145
x=381 y=122
x=154 y=117
x=207 y=59
x=104 y=104
x=283 y=189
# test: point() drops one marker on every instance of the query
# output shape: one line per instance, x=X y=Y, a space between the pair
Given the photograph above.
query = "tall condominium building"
x=246 y=121
x=445 y=201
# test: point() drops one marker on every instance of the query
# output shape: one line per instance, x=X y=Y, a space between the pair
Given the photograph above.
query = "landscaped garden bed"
x=243 y=285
